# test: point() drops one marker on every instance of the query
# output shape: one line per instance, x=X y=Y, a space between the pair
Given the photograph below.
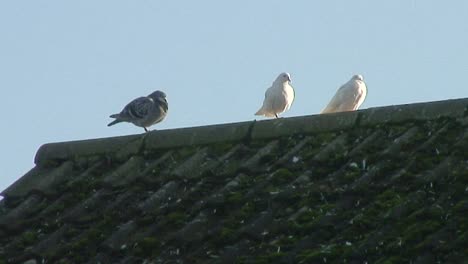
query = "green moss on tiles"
x=425 y=161
x=247 y=209
x=268 y=158
x=50 y=163
x=185 y=152
x=395 y=131
x=271 y=189
x=234 y=197
x=428 y=212
x=146 y=247
x=325 y=138
x=71 y=233
x=145 y=220
x=286 y=241
x=29 y=237
x=226 y=235
x=176 y=218
x=220 y=149
x=419 y=230
x=390 y=260
x=462 y=240
x=378 y=210
x=350 y=174
x=282 y=176
x=290 y=198
x=85 y=245
x=82 y=188
x=93 y=235
x=56 y=207
x=460 y=150
x=24 y=240
x=321 y=232
x=326 y=254
x=275 y=257
x=461 y=207
x=238 y=218
x=258 y=144
x=308 y=216
x=230 y=167
x=388 y=199
x=309 y=152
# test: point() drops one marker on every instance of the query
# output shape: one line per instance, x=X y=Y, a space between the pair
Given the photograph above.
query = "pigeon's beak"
x=289 y=79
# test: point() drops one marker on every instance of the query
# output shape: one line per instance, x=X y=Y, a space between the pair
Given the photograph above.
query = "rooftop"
x=382 y=185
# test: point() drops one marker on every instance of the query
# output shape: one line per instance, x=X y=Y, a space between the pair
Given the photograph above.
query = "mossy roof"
x=381 y=185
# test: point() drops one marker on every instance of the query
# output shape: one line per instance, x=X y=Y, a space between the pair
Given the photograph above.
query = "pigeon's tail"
x=117 y=120
x=329 y=109
x=261 y=111
x=264 y=113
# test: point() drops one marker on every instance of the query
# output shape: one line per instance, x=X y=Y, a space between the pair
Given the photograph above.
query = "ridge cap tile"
x=379 y=184
x=228 y=132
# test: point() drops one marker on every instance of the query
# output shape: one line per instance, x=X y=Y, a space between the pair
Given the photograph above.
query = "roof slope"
x=382 y=185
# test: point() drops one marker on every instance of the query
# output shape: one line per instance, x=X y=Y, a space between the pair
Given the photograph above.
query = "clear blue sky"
x=65 y=66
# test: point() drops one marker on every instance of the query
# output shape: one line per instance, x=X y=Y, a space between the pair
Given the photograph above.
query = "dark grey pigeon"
x=143 y=111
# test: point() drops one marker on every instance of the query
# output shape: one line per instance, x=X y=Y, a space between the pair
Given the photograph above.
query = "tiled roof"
x=382 y=185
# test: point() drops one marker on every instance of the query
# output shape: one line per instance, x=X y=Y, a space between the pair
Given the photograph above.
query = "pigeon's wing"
x=266 y=106
x=348 y=98
x=360 y=95
x=290 y=95
x=137 y=108
x=337 y=100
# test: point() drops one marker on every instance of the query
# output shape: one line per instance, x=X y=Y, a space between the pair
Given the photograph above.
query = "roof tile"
x=125 y=173
x=119 y=240
x=42 y=180
x=382 y=184
x=18 y=216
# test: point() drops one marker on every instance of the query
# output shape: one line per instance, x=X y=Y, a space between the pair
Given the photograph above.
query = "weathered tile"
x=13 y=218
x=203 y=135
x=420 y=111
x=342 y=187
x=83 y=148
x=160 y=196
x=42 y=180
x=275 y=128
x=119 y=240
x=126 y=173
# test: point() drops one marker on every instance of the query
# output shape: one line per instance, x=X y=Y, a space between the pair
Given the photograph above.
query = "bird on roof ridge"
x=278 y=97
x=349 y=96
x=143 y=111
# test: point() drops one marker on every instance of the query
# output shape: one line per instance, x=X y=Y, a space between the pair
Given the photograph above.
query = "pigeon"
x=278 y=98
x=143 y=111
x=349 y=96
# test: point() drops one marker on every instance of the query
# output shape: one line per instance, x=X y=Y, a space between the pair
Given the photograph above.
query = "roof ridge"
x=125 y=146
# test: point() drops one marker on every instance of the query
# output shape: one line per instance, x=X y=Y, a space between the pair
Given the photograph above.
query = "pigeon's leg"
x=276 y=115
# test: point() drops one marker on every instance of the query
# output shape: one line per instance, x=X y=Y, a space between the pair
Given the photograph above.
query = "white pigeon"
x=278 y=98
x=143 y=111
x=349 y=96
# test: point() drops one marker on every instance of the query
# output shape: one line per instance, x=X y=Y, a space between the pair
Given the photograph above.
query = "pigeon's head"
x=284 y=77
x=358 y=77
x=157 y=94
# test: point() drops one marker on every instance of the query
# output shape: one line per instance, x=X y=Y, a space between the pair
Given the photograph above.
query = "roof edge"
x=125 y=146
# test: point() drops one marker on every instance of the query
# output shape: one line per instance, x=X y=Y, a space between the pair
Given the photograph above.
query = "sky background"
x=65 y=66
